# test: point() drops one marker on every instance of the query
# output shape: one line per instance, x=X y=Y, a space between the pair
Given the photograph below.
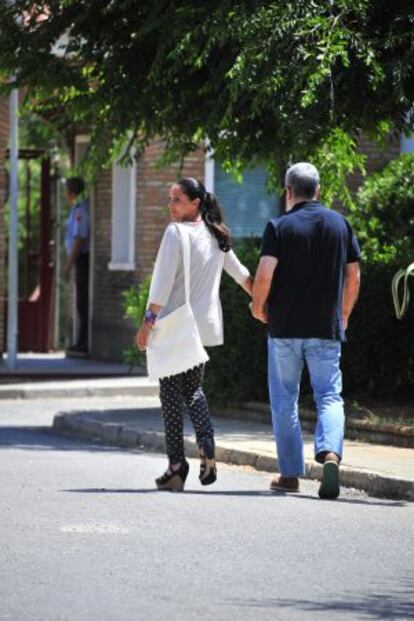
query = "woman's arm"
x=162 y=282
x=144 y=332
x=247 y=285
x=238 y=271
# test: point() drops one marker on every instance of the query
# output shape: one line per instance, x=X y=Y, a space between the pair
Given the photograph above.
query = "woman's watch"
x=150 y=318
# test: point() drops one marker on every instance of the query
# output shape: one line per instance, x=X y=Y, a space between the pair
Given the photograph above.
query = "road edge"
x=126 y=436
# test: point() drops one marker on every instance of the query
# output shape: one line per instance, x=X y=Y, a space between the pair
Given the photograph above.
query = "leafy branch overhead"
x=265 y=81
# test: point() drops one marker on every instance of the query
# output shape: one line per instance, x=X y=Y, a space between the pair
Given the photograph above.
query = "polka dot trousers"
x=177 y=392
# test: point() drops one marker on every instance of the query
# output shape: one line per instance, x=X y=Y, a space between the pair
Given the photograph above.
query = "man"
x=305 y=288
x=77 y=250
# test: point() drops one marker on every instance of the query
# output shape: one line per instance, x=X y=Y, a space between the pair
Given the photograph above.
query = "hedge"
x=378 y=358
x=383 y=213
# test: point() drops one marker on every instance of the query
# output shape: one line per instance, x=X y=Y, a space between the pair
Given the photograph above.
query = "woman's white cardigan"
x=207 y=262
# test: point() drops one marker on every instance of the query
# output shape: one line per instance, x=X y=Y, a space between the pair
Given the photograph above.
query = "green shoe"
x=329 y=488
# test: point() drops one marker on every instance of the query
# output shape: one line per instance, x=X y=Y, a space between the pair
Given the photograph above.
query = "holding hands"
x=259 y=313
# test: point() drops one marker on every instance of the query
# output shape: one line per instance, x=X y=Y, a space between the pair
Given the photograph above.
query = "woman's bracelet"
x=150 y=318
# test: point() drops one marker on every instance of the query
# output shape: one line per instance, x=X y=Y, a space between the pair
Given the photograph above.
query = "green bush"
x=237 y=371
x=383 y=216
x=378 y=358
x=135 y=304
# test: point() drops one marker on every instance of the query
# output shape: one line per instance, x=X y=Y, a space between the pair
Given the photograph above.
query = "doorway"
x=36 y=253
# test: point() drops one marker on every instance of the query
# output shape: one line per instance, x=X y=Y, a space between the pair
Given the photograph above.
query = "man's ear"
x=318 y=192
x=288 y=192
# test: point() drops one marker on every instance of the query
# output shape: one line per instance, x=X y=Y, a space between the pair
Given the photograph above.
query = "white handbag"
x=175 y=344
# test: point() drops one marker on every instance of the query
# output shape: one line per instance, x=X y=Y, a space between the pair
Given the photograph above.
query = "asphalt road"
x=85 y=536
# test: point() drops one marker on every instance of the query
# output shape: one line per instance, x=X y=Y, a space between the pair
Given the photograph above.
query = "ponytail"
x=210 y=210
x=213 y=218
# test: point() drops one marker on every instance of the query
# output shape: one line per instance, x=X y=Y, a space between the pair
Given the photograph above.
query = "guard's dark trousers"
x=82 y=298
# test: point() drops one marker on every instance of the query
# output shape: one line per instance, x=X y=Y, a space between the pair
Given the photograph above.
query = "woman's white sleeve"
x=234 y=268
x=165 y=268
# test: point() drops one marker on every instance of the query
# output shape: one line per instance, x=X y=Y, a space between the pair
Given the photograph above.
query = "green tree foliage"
x=265 y=81
x=384 y=213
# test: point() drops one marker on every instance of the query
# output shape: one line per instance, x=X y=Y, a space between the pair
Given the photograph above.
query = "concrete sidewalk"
x=57 y=365
x=131 y=386
x=381 y=471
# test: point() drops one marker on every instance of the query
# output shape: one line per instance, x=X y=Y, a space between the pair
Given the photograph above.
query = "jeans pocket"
x=283 y=348
x=324 y=349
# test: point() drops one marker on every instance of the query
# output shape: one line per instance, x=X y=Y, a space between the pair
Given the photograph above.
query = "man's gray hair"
x=302 y=179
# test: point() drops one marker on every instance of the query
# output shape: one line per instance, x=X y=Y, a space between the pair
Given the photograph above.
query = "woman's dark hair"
x=210 y=211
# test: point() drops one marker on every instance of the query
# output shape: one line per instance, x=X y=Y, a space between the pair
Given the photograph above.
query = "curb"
x=79 y=389
x=81 y=425
x=387 y=434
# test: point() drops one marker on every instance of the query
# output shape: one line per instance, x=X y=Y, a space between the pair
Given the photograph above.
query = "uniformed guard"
x=77 y=250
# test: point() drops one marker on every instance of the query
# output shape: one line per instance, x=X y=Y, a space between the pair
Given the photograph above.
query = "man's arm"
x=351 y=291
x=76 y=248
x=261 y=287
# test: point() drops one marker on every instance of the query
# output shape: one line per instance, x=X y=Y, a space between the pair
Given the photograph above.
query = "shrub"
x=237 y=371
x=384 y=213
x=379 y=355
x=378 y=358
x=135 y=303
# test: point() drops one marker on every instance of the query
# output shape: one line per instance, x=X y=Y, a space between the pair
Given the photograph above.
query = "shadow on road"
x=44 y=439
x=252 y=493
x=396 y=602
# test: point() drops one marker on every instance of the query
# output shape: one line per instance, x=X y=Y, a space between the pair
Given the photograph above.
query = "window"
x=247 y=206
x=81 y=146
x=123 y=217
x=407 y=143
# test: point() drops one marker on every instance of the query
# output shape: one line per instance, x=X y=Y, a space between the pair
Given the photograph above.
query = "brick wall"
x=153 y=185
x=111 y=332
x=4 y=115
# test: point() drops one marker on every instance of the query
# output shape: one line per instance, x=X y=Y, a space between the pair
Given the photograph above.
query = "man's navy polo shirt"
x=312 y=244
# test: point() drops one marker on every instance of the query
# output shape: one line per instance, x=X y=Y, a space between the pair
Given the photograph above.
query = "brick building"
x=128 y=216
x=128 y=207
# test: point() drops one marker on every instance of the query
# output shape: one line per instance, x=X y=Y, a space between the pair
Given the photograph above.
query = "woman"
x=210 y=252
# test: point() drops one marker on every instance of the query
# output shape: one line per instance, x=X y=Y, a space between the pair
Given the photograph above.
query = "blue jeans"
x=285 y=363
